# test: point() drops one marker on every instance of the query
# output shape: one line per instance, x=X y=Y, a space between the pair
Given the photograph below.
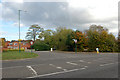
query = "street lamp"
x=75 y=40
x=19 y=28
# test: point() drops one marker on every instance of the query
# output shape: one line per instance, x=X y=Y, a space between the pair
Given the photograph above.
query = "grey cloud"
x=50 y=14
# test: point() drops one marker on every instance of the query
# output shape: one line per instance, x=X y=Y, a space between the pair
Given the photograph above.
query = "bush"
x=13 y=50
x=40 y=46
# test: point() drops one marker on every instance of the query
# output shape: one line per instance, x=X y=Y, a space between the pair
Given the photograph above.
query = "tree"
x=98 y=37
x=48 y=37
x=60 y=38
x=2 y=42
x=40 y=46
x=69 y=42
x=81 y=40
x=33 y=31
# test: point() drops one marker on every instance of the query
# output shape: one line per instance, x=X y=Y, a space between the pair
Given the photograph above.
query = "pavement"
x=63 y=65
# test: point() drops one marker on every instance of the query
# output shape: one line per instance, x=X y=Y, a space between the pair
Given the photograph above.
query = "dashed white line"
x=86 y=66
x=30 y=68
x=81 y=60
x=20 y=66
x=106 y=64
x=59 y=67
x=65 y=69
x=71 y=63
x=57 y=73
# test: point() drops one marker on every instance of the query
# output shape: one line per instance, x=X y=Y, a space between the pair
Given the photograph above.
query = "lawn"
x=11 y=55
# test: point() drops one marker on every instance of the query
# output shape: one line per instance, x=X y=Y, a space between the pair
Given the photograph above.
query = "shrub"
x=40 y=46
x=13 y=50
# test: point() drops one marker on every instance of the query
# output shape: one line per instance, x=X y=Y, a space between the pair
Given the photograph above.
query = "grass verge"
x=11 y=55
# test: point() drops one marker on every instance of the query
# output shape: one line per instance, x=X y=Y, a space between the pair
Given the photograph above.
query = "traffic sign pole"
x=31 y=46
x=75 y=48
x=75 y=40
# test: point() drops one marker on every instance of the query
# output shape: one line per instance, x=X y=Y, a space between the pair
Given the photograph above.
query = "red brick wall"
x=15 y=44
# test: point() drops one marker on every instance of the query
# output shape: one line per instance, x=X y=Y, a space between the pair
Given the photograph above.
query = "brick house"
x=14 y=44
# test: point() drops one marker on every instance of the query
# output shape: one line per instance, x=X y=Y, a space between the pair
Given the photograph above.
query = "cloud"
x=54 y=14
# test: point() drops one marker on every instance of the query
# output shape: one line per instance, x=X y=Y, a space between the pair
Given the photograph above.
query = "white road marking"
x=86 y=66
x=59 y=67
x=71 y=63
x=30 y=68
x=65 y=69
x=81 y=60
x=19 y=66
x=89 y=62
x=57 y=73
x=51 y=64
x=106 y=64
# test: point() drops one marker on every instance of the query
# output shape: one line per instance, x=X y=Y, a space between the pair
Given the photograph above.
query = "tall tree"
x=81 y=40
x=48 y=37
x=33 y=31
x=98 y=37
x=60 y=38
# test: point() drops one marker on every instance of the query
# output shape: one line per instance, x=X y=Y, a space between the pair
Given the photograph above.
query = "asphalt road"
x=63 y=65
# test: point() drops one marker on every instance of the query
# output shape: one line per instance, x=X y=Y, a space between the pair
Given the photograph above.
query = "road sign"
x=31 y=42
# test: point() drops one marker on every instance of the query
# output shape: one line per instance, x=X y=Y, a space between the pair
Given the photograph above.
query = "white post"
x=51 y=49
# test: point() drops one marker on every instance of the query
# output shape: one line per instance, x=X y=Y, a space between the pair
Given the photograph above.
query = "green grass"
x=11 y=55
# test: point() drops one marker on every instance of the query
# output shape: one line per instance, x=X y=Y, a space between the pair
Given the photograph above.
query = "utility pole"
x=19 y=28
x=19 y=40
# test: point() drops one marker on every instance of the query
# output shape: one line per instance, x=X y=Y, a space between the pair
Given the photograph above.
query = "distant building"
x=14 y=44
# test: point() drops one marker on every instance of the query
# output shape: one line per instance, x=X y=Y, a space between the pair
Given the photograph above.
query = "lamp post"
x=19 y=28
x=19 y=40
x=75 y=40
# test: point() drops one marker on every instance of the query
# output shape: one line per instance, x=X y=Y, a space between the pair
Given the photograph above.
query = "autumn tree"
x=98 y=37
x=81 y=40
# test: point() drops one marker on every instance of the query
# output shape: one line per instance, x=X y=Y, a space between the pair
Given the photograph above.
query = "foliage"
x=13 y=50
x=40 y=46
x=81 y=40
x=70 y=43
x=2 y=42
x=99 y=38
x=60 y=38
x=33 y=31
x=48 y=37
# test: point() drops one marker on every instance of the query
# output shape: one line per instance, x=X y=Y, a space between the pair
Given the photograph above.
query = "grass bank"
x=11 y=55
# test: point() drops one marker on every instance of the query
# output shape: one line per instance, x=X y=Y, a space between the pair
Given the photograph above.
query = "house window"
x=15 y=43
x=15 y=47
x=10 y=43
x=24 y=43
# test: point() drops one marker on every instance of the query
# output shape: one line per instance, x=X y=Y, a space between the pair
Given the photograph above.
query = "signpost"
x=19 y=40
x=75 y=40
x=31 y=46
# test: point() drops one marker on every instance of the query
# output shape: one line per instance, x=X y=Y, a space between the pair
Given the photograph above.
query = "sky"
x=50 y=14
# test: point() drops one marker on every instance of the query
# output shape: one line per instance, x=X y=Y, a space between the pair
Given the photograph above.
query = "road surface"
x=63 y=65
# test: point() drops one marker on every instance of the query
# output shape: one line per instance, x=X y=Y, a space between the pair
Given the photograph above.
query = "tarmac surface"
x=63 y=65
